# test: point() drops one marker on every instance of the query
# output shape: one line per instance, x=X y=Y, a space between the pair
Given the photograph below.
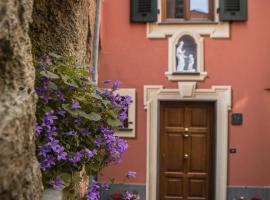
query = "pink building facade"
x=232 y=70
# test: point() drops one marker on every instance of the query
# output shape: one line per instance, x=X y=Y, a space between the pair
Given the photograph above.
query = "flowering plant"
x=75 y=127
x=124 y=194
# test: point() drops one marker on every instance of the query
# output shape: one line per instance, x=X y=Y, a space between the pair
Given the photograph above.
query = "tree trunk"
x=62 y=27
x=20 y=177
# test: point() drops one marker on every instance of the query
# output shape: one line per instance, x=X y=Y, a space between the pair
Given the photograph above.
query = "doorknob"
x=186 y=129
x=185 y=156
x=186 y=135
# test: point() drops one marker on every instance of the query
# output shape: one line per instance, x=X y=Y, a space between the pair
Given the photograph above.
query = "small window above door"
x=188 y=11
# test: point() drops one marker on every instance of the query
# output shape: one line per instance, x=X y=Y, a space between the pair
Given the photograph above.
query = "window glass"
x=199 y=6
x=188 y=9
x=175 y=8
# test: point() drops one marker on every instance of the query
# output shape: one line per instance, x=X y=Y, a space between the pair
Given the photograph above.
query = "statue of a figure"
x=191 y=62
x=180 y=54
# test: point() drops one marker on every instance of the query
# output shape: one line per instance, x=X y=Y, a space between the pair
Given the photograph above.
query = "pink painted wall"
x=243 y=61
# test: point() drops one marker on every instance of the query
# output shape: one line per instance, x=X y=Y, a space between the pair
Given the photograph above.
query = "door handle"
x=186 y=156
x=186 y=135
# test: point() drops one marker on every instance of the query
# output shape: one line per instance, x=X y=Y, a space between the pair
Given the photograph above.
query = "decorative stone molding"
x=186 y=89
x=186 y=92
x=149 y=91
x=216 y=29
x=172 y=74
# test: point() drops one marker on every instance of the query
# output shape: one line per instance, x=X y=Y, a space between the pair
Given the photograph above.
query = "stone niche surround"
x=200 y=73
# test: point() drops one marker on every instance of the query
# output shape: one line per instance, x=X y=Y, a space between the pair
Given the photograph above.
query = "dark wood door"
x=185 y=152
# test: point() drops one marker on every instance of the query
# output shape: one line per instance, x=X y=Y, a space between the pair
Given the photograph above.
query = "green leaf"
x=49 y=74
x=114 y=122
x=112 y=114
x=53 y=86
x=54 y=55
x=106 y=102
x=94 y=116
x=66 y=178
x=69 y=81
x=66 y=107
x=96 y=96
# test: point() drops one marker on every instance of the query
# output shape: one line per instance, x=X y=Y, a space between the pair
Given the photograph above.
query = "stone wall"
x=20 y=177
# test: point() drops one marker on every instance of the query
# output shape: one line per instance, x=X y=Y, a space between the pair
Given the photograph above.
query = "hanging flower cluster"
x=76 y=122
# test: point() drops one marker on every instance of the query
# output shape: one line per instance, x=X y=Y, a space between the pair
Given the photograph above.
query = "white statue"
x=180 y=54
x=191 y=62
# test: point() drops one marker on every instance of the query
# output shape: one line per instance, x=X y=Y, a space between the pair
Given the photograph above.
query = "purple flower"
x=58 y=183
x=72 y=133
x=43 y=150
x=75 y=105
x=115 y=146
x=127 y=196
x=93 y=191
x=89 y=153
x=61 y=154
x=107 y=81
x=131 y=174
x=123 y=116
x=38 y=130
x=38 y=91
x=116 y=85
x=53 y=144
x=105 y=186
x=49 y=118
x=47 y=163
x=98 y=141
x=47 y=60
x=77 y=157
x=61 y=113
x=85 y=78
x=92 y=71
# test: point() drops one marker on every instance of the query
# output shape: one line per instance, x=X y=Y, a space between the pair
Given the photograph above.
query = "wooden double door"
x=185 y=151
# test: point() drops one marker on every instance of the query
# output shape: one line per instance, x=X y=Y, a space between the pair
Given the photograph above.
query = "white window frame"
x=215 y=29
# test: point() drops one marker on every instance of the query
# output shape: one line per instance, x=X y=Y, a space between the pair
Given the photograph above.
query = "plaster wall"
x=243 y=61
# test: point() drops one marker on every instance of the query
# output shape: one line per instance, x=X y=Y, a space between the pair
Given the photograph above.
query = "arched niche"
x=186 y=57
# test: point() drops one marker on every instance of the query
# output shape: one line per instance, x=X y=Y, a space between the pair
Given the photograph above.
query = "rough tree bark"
x=20 y=177
x=62 y=27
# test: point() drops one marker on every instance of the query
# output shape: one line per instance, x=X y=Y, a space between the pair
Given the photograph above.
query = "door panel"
x=174 y=159
x=185 y=151
x=198 y=153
